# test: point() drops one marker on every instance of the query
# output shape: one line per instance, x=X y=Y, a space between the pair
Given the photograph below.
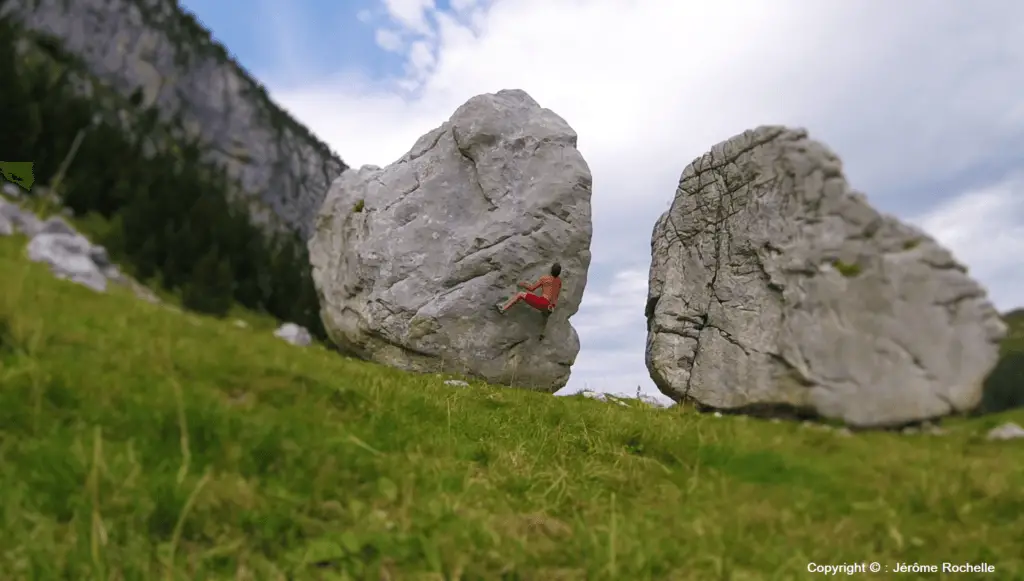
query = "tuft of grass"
x=137 y=442
x=911 y=243
x=849 y=270
x=358 y=207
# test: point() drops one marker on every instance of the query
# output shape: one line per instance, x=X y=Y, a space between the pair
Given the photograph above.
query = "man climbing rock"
x=550 y=286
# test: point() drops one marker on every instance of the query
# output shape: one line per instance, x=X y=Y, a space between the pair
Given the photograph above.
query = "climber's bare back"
x=550 y=287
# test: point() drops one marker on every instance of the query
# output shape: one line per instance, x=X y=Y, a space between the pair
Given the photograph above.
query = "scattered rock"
x=68 y=258
x=640 y=400
x=294 y=334
x=7 y=227
x=605 y=397
x=58 y=225
x=411 y=260
x=655 y=402
x=11 y=191
x=774 y=286
x=1007 y=431
x=72 y=257
x=456 y=383
x=928 y=428
x=69 y=255
x=15 y=220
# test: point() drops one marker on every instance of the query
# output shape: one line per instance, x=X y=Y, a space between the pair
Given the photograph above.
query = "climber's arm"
x=532 y=287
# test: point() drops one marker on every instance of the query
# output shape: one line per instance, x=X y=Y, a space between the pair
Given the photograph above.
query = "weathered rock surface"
x=1007 y=431
x=10 y=190
x=624 y=401
x=154 y=47
x=13 y=219
x=294 y=334
x=69 y=257
x=774 y=286
x=410 y=260
x=69 y=254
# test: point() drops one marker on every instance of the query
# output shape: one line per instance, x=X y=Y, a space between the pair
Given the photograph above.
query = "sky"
x=923 y=101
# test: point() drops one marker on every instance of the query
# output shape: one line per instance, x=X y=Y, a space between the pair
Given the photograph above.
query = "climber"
x=550 y=286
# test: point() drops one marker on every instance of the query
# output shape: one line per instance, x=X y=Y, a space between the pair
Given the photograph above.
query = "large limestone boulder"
x=773 y=286
x=410 y=260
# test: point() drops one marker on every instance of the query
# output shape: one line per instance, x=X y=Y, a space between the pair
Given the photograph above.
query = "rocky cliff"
x=156 y=51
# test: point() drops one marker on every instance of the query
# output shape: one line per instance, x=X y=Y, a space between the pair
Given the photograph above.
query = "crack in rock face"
x=774 y=286
x=410 y=260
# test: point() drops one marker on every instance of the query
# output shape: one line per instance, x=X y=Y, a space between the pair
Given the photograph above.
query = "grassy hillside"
x=137 y=442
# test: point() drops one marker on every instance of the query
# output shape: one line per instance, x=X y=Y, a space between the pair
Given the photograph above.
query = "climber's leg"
x=515 y=299
x=538 y=302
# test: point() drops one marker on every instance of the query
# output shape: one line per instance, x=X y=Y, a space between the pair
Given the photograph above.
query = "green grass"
x=141 y=443
x=849 y=270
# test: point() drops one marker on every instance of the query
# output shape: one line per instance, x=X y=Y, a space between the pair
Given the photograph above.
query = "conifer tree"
x=164 y=209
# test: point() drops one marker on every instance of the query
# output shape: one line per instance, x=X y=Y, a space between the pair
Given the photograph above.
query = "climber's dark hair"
x=556 y=269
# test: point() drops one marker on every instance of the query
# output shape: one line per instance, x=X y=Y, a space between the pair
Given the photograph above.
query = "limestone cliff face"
x=154 y=48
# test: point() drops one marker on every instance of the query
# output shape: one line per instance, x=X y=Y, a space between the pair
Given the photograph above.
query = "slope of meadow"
x=138 y=442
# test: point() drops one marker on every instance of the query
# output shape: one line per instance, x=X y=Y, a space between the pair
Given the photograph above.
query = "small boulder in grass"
x=294 y=334
x=1007 y=431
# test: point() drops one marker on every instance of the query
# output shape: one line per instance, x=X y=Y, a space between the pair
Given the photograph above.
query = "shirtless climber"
x=550 y=286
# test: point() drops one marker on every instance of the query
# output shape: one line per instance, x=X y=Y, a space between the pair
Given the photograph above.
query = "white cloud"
x=463 y=6
x=421 y=60
x=389 y=39
x=412 y=14
x=910 y=94
x=985 y=230
x=608 y=312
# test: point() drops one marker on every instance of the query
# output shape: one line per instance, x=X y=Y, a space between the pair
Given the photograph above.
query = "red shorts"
x=536 y=301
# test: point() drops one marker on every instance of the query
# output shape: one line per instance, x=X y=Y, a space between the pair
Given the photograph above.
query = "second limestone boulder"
x=774 y=286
